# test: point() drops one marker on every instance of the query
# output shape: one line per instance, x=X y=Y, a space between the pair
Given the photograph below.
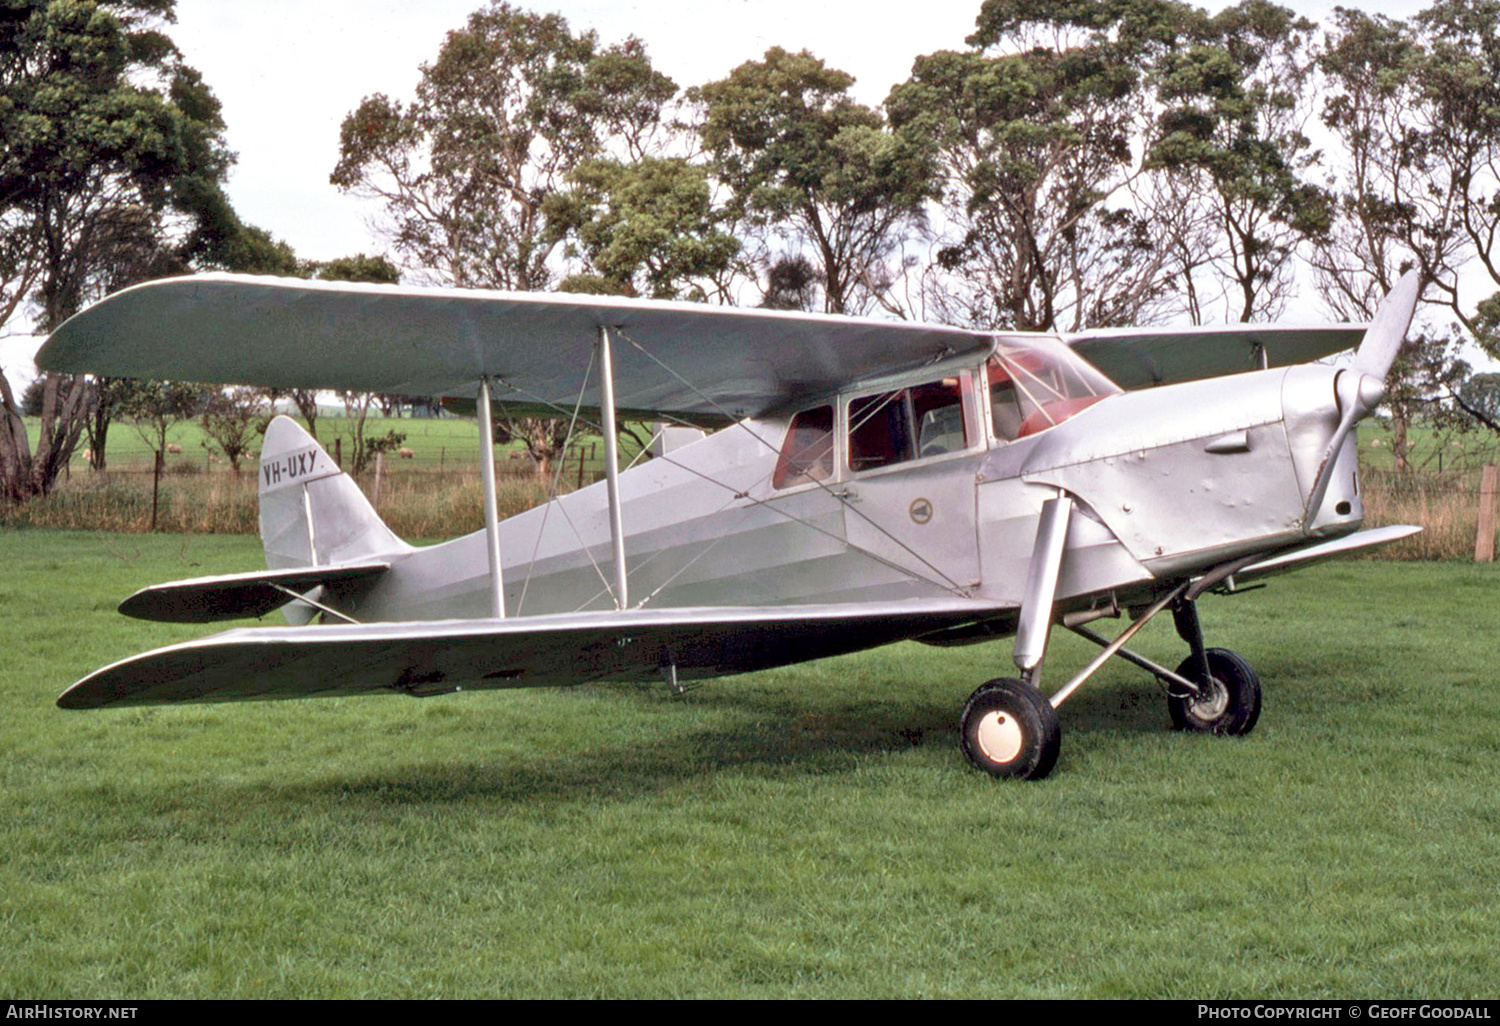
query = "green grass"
x=1449 y=452
x=806 y=832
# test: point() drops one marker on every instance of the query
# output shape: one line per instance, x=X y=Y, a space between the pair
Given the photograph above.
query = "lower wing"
x=429 y=658
x=1303 y=557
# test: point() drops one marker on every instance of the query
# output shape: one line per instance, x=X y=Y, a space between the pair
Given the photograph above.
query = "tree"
x=360 y=267
x=231 y=420
x=364 y=448
x=646 y=228
x=31 y=398
x=513 y=103
x=1419 y=127
x=1234 y=105
x=1459 y=76
x=1034 y=129
x=791 y=284
x=544 y=438
x=1480 y=399
x=101 y=412
x=805 y=160
x=156 y=406
x=110 y=170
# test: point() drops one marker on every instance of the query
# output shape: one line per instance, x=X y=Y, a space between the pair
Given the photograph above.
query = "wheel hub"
x=1211 y=701
x=999 y=737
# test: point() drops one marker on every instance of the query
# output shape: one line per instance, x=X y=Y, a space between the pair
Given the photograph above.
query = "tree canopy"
x=111 y=170
x=801 y=157
x=513 y=103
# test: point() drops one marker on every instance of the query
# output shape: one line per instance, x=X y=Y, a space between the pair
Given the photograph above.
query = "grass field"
x=805 y=832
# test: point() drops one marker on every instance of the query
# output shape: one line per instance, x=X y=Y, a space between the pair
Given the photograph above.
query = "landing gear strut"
x=1010 y=729
x=1227 y=700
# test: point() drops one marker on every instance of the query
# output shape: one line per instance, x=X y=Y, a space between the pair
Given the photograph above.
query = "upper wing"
x=435 y=657
x=725 y=362
x=1143 y=357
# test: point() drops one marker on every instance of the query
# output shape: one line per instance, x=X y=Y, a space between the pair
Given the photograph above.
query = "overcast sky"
x=288 y=71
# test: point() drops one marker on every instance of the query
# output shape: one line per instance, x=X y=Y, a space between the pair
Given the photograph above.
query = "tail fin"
x=311 y=512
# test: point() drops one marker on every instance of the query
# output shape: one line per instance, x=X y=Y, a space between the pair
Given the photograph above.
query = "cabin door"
x=910 y=493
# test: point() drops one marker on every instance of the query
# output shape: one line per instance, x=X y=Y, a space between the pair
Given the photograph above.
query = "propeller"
x=1383 y=338
x=1360 y=388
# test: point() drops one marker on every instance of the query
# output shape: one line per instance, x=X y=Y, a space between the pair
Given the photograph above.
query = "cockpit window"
x=807 y=452
x=909 y=423
x=1038 y=383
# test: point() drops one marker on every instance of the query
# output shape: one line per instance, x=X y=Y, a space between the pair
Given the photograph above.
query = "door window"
x=907 y=424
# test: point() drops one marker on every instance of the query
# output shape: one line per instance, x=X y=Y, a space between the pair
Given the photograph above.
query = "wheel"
x=1009 y=729
x=1229 y=706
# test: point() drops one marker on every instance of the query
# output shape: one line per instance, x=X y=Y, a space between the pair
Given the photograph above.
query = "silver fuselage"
x=1170 y=481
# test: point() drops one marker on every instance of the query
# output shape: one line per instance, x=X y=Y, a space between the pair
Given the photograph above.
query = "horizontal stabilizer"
x=237 y=596
x=429 y=658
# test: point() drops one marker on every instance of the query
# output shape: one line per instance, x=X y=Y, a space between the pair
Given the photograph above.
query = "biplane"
x=856 y=482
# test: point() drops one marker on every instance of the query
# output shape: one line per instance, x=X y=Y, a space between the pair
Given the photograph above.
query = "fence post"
x=379 y=473
x=156 y=470
x=1484 y=541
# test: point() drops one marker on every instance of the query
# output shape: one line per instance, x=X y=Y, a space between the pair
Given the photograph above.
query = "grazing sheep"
x=406 y=454
x=173 y=449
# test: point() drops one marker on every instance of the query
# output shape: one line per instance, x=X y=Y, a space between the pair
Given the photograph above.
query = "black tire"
x=1009 y=729
x=1231 y=704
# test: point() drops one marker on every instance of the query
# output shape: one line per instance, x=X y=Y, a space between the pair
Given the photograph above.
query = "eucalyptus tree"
x=513 y=103
x=1036 y=130
x=1415 y=107
x=1234 y=98
x=645 y=228
x=111 y=169
x=1459 y=75
x=821 y=173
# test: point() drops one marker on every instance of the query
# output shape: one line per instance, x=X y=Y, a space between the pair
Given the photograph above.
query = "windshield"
x=1036 y=383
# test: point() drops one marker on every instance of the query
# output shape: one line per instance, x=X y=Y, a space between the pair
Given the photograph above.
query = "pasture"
x=804 y=832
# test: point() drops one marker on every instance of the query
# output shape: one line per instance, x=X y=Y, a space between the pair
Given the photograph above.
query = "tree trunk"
x=27 y=473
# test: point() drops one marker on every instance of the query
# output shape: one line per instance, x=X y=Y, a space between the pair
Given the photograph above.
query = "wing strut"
x=612 y=465
x=491 y=508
